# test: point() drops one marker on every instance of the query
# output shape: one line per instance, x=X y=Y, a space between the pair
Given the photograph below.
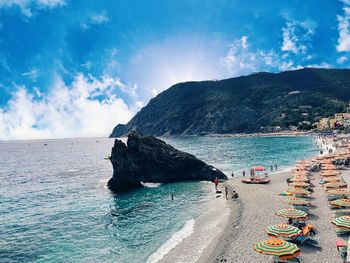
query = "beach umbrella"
x=332 y=179
x=341 y=202
x=339 y=192
x=299 y=184
x=300 y=173
x=335 y=185
x=343 y=221
x=330 y=173
x=296 y=201
x=283 y=230
x=292 y=213
x=328 y=168
x=299 y=179
x=258 y=168
x=277 y=247
x=298 y=191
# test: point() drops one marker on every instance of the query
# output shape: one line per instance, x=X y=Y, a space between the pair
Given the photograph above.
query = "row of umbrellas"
x=299 y=185
x=336 y=188
x=300 y=188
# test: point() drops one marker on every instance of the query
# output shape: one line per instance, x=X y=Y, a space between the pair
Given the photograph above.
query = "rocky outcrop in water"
x=148 y=159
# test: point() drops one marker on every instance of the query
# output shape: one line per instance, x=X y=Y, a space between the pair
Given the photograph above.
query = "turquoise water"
x=54 y=205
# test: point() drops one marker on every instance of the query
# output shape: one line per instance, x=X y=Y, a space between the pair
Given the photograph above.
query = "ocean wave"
x=172 y=242
x=150 y=185
x=103 y=182
x=73 y=170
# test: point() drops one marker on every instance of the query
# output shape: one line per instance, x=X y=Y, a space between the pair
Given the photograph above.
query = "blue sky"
x=77 y=68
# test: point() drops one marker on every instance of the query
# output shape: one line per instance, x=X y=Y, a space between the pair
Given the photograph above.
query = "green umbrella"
x=341 y=202
x=292 y=213
x=282 y=230
x=277 y=247
x=343 y=221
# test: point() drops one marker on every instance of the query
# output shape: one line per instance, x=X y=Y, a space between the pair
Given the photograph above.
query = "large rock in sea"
x=148 y=159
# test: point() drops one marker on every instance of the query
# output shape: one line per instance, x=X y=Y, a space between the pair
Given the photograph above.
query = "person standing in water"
x=243 y=173
x=232 y=174
x=216 y=182
x=271 y=168
x=276 y=167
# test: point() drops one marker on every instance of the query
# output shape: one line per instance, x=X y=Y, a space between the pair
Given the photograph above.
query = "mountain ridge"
x=244 y=104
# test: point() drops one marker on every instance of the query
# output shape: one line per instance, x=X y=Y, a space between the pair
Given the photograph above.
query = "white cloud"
x=76 y=110
x=95 y=19
x=343 y=29
x=240 y=59
x=297 y=36
x=26 y=5
x=342 y=59
x=32 y=74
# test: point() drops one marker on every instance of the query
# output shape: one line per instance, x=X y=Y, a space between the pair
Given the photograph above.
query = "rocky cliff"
x=148 y=159
x=244 y=104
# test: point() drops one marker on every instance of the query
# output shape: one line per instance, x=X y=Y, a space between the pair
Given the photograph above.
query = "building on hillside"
x=323 y=124
x=331 y=123
x=341 y=117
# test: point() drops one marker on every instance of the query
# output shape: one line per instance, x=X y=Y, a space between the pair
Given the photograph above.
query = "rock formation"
x=148 y=159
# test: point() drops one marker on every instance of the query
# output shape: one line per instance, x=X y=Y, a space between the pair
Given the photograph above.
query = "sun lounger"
x=340 y=212
x=342 y=249
x=341 y=231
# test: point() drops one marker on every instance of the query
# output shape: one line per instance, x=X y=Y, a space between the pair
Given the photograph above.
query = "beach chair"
x=307 y=236
x=342 y=231
x=342 y=249
x=340 y=212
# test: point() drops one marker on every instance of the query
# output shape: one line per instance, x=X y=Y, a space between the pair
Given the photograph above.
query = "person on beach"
x=232 y=174
x=275 y=167
x=216 y=182
x=226 y=191
x=271 y=168
x=234 y=194
x=243 y=172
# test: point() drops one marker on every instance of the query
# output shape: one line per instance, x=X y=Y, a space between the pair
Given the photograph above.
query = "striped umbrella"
x=296 y=201
x=335 y=185
x=292 y=213
x=283 y=230
x=277 y=247
x=343 y=221
x=332 y=179
x=329 y=173
x=341 y=202
x=299 y=179
x=298 y=191
x=299 y=184
x=328 y=168
x=340 y=192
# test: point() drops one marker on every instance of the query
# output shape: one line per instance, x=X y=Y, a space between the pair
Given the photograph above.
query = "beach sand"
x=227 y=230
x=257 y=205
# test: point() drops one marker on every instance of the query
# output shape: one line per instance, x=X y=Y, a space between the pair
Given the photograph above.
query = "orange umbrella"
x=258 y=168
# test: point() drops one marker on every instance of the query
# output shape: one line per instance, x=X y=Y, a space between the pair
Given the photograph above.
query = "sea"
x=55 y=206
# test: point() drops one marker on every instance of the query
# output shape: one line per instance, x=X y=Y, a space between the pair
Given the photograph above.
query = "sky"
x=76 y=68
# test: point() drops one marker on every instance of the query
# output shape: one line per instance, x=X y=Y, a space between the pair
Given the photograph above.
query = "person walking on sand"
x=243 y=173
x=216 y=182
x=226 y=191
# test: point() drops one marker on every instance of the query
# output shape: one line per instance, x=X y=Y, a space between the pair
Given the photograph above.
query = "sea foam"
x=172 y=242
x=150 y=185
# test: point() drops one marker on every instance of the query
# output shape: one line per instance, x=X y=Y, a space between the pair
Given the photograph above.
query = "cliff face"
x=148 y=159
x=243 y=104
